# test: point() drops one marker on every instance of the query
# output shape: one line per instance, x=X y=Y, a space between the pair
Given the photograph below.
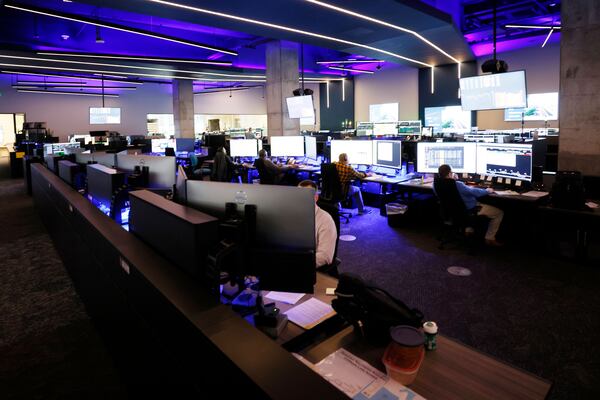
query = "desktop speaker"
x=494 y=66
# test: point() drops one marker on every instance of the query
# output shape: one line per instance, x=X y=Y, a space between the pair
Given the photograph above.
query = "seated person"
x=268 y=172
x=325 y=231
x=469 y=196
x=223 y=167
x=347 y=174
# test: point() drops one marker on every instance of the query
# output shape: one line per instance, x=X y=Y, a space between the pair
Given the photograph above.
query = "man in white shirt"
x=325 y=231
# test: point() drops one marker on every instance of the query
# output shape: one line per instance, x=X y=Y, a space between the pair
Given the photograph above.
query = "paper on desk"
x=359 y=380
x=506 y=193
x=310 y=313
x=534 y=193
x=285 y=297
x=591 y=204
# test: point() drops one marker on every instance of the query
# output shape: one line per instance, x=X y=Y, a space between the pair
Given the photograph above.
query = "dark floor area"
x=49 y=348
x=541 y=314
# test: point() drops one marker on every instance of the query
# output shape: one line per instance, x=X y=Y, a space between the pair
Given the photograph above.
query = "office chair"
x=331 y=192
x=265 y=177
x=169 y=152
x=455 y=216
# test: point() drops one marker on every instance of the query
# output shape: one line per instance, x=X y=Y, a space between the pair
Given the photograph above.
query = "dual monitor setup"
x=179 y=145
x=398 y=128
x=383 y=153
x=281 y=146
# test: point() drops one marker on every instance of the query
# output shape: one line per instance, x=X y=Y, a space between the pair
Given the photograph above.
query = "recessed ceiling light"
x=65 y=37
x=286 y=28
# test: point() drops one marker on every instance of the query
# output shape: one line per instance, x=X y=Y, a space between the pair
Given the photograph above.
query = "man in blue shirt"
x=469 y=196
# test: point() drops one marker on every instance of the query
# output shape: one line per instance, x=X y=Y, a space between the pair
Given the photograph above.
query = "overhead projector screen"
x=495 y=91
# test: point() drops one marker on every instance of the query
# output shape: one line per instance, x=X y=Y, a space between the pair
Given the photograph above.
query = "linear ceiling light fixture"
x=61 y=76
x=50 y=83
x=67 y=93
x=134 y=58
x=351 y=62
x=196 y=78
x=122 y=28
x=20 y=86
x=285 y=28
x=111 y=76
x=380 y=22
x=547 y=37
x=223 y=90
x=532 y=26
x=128 y=66
x=362 y=71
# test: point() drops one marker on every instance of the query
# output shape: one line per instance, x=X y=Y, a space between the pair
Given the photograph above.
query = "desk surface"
x=453 y=371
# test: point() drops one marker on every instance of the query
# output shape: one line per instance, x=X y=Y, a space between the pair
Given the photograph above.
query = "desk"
x=453 y=371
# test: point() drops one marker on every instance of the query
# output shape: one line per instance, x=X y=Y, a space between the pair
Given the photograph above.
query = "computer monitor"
x=310 y=145
x=287 y=146
x=493 y=91
x=462 y=157
x=185 y=144
x=364 y=129
x=450 y=119
x=159 y=145
x=358 y=151
x=105 y=115
x=427 y=131
x=244 y=147
x=508 y=160
x=387 y=153
x=385 y=129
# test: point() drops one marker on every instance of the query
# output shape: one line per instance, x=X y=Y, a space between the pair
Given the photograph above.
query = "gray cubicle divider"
x=101 y=157
x=285 y=215
x=162 y=169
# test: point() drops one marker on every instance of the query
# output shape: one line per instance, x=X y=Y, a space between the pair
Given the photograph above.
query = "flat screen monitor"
x=505 y=160
x=540 y=107
x=287 y=146
x=462 y=157
x=450 y=119
x=300 y=107
x=105 y=115
x=159 y=145
x=385 y=129
x=387 y=112
x=310 y=146
x=387 y=153
x=244 y=147
x=364 y=129
x=185 y=144
x=358 y=151
x=494 y=91
x=427 y=131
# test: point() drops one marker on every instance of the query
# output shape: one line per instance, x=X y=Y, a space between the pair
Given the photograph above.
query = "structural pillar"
x=282 y=79
x=579 y=141
x=183 y=108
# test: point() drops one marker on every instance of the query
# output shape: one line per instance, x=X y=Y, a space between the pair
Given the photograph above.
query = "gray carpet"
x=537 y=313
x=49 y=348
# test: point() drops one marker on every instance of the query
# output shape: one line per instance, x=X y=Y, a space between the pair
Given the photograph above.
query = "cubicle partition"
x=169 y=336
x=162 y=169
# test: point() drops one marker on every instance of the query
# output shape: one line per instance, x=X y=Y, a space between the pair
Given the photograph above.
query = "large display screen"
x=451 y=119
x=310 y=145
x=489 y=92
x=505 y=160
x=387 y=112
x=385 y=129
x=387 y=153
x=358 y=151
x=105 y=115
x=245 y=147
x=300 y=107
x=462 y=157
x=287 y=146
x=540 y=107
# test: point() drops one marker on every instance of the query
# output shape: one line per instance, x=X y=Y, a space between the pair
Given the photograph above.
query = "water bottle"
x=241 y=197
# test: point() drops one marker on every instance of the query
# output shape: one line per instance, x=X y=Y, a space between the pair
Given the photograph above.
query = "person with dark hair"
x=269 y=172
x=223 y=167
x=347 y=174
x=469 y=196
x=325 y=230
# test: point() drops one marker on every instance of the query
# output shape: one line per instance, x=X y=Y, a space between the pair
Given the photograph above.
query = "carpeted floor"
x=49 y=348
x=537 y=313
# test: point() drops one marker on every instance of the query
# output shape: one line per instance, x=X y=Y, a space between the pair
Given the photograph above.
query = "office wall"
x=392 y=84
x=542 y=69
x=66 y=115
x=341 y=104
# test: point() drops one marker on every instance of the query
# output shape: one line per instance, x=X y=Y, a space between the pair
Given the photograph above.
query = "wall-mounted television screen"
x=451 y=119
x=105 y=115
x=300 y=107
x=494 y=91
x=540 y=107
x=387 y=112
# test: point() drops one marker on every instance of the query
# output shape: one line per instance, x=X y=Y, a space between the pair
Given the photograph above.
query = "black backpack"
x=371 y=309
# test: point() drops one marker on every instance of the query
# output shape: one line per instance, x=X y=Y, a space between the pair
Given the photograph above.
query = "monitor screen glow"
x=387 y=153
x=462 y=157
x=105 y=115
x=159 y=145
x=540 y=107
x=244 y=147
x=387 y=112
x=386 y=129
x=358 y=151
x=451 y=119
x=508 y=160
x=287 y=146
x=494 y=91
x=310 y=144
x=301 y=107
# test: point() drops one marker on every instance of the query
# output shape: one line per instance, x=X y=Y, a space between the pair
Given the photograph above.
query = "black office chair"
x=455 y=216
x=331 y=190
x=265 y=177
x=169 y=152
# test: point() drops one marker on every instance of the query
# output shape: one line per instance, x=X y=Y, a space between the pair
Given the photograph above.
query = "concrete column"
x=282 y=79
x=579 y=114
x=183 y=108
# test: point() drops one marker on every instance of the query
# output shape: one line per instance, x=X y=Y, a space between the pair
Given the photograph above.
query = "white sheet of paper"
x=506 y=193
x=507 y=181
x=285 y=297
x=535 y=194
x=517 y=183
x=309 y=313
